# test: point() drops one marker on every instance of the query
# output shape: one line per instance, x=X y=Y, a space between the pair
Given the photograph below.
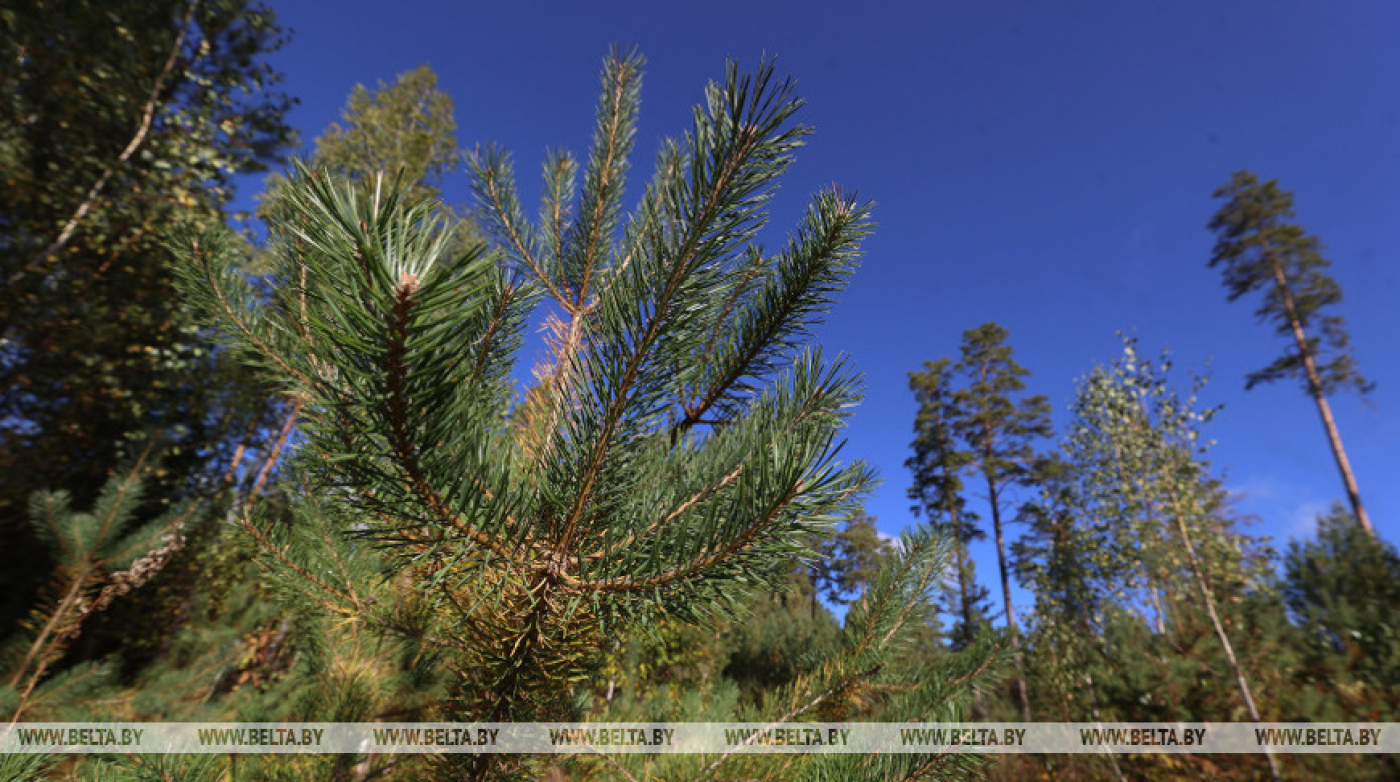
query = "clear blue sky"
x=1047 y=165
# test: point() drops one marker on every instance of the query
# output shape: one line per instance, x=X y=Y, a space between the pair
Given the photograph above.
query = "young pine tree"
x=1343 y=587
x=848 y=560
x=1262 y=249
x=1061 y=561
x=676 y=450
x=102 y=555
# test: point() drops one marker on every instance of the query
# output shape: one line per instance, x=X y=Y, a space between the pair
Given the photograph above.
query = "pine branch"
x=813 y=265
x=491 y=178
x=607 y=167
x=200 y=257
x=622 y=584
x=531 y=531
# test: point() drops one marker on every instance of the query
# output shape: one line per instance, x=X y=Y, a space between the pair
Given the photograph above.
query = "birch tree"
x=1136 y=444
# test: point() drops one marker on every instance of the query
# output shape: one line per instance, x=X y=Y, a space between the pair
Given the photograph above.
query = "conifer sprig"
x=100 y=558
x=870 y=675
x=678 y=446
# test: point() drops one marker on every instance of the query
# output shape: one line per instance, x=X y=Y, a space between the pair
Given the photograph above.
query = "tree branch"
x=142 y=130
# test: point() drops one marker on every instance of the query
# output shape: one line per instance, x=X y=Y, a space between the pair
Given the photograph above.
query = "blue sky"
x=1045 y=165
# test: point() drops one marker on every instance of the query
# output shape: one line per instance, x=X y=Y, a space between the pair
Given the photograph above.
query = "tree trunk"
x=53 y=627
x=961 y=554
x=1094 y=706
x=966 y=605
x=1334 y=438
x=1006 y=595
x=1208 y=595
x=1160 y=614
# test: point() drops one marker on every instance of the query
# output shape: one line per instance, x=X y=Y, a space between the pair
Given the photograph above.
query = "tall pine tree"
x=1262 y=249
x=971 y=420
x=938 y=464
x=1001 y=433
x=848 y=560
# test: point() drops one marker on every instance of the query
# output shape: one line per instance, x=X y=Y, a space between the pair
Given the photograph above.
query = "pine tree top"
x=1261 y=248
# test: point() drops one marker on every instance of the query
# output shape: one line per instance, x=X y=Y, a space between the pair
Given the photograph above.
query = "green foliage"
x=1061 y=561
x=1132 y=548
x=881 y=671
x=489 y=555
x=154 y=768
x=1130 y=438
x=101 y=556
x=1343 y=587
x=651 y=672
x=1140 y=476
x=938 y=464
x=1262 y=250
x=997 y=434
x=1340 y=588
x=644 y=531
x=407 y=126
x=1000 y=431
x=1060 y=558
x=847 y=561
x=119 y=120
x=676 y=452
x=878 y=668
x=20 y=768
x=777 y=640
x=976 y=426
x=405 y=129
x=678 y=671
x=939 y=461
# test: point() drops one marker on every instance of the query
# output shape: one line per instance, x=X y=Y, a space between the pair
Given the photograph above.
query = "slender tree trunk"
x=1160 y=618
x=1006 y=594
x=1094 y=710
x=965 y=607
x=271 y=458
x=960 y=555
x=1334 y=438
x=1208 y=595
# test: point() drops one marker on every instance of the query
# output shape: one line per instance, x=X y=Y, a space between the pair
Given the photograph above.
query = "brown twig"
x=276 y=451
x=143 y=129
